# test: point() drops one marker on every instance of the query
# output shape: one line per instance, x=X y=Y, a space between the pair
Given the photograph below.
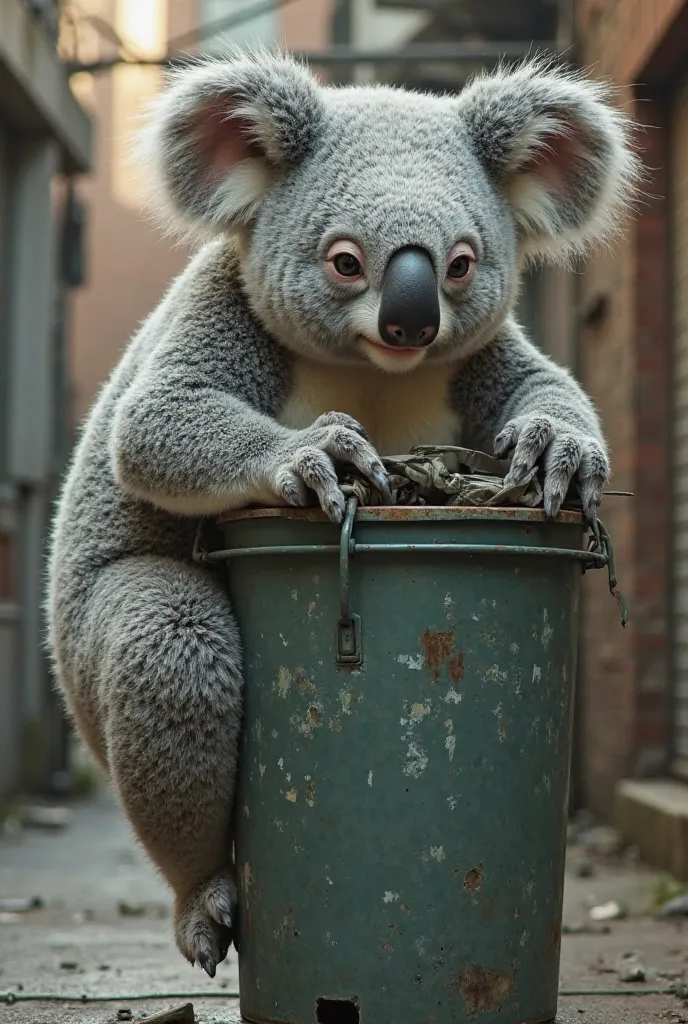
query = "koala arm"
x=189 y=447
x=196 y=433
x=515 y=400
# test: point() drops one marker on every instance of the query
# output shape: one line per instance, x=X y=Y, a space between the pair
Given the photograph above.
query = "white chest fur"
x=397 y=410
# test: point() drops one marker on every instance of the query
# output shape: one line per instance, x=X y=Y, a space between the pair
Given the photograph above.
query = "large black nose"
x=410 y=307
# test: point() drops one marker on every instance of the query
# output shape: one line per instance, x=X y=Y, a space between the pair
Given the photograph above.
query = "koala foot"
x=205 y=922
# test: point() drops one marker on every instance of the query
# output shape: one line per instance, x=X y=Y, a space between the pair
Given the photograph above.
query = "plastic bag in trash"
x=445 y=475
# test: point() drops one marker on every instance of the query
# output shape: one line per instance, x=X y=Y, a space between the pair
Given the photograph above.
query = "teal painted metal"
x=401 y=812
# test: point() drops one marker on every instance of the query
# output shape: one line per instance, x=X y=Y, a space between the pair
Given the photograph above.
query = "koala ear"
x=562 y=152
x=220 y=132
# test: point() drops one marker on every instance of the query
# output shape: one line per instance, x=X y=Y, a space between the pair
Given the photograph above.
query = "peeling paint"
x=285 y=643
x=335 y=724
x=537 y=673
x=247 y=811
x=294 y=595
x=291 y=796
x=547 y=630
x=390 y=897
x=494 y=674
x=420 y=945
x=311 y=609
x=280 y=764
x=451 y=800
x=437 y=853
x=247 y=877
x=484 y=990
x=313 y=720
x=449 y=606
x=450 y=741
x=283 y=681
x=416 y=760
x=310 y=792
x=453 y=697
x=412 y=661
x=370 y=779
x=419 y=711
x=514 y=648
x=523 y=942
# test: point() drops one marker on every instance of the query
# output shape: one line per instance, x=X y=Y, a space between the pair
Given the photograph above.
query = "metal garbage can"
x=402 y=802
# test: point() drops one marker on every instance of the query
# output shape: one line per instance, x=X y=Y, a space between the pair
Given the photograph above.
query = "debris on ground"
x=125 y=1014
x=611 y=911
x=631 y=968
x=601 y=840
x=51 y=818
x=69 y=965
x=677 y=907
x=183 y=1014
x=20 y=904
x=584 y=869
x=131 y=909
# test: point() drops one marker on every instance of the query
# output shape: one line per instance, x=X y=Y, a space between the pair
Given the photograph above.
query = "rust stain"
x=314 y=716
x=456 y=667
x=438 y=648
x=473 y=879
x=483 y=990
x=554 y=935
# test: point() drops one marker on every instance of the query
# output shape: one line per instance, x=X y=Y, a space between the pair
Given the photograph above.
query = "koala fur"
x=259 y=371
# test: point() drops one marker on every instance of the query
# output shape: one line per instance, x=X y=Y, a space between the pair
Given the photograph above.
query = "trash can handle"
x=348 y=643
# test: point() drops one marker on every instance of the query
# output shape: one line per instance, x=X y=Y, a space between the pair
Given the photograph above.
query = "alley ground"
x=104 y=928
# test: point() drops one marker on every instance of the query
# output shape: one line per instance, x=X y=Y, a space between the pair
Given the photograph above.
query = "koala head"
x=384 y=225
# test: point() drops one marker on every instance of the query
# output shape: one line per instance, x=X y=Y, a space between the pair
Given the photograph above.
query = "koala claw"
x=205 y=922
x=311 y=463
x=208 y=964
x=565 y=454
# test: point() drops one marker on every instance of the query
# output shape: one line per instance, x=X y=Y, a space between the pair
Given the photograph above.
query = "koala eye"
x=346 y=262
x=461 y=263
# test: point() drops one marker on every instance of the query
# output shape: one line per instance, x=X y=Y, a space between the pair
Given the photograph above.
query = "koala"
x=351 y=295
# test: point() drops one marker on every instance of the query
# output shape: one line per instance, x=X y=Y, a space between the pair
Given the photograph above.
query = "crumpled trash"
x=611 y=911
x=678 y=906
x=446 y=475
x=631 y=967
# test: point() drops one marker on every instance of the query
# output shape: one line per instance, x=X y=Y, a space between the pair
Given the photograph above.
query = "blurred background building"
x=620 y=322
x=45 y=139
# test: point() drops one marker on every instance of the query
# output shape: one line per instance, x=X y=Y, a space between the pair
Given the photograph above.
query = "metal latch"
x=348 y=643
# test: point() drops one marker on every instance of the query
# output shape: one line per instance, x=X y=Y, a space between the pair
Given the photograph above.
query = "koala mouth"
x=394 y=350
x=390 y=358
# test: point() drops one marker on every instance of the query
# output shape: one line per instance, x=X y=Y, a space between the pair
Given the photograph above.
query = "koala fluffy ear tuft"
x=561 y=150
x=220 y=131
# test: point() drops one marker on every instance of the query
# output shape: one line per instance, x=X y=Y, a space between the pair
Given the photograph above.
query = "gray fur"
x=199 y=415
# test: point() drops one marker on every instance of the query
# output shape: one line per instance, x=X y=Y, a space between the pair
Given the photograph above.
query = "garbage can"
x=402 y=801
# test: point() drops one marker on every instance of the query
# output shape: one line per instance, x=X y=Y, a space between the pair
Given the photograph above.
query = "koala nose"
x=410 y=308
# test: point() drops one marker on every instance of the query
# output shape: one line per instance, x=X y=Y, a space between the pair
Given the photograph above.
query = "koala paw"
x=205 y=922
x=310 y=464
x=565 y=453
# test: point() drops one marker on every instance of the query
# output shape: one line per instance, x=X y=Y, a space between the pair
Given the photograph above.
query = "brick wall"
x=625 y=363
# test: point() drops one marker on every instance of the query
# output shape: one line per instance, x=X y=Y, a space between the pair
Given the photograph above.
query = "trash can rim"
x=409 y=513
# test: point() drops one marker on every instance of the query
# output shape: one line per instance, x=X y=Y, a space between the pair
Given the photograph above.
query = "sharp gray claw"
x=208 y=964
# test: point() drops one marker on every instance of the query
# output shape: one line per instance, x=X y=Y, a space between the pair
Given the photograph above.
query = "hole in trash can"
x=337 y=1011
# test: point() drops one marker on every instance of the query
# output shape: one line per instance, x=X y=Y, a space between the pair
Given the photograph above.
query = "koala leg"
x=166 y=658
